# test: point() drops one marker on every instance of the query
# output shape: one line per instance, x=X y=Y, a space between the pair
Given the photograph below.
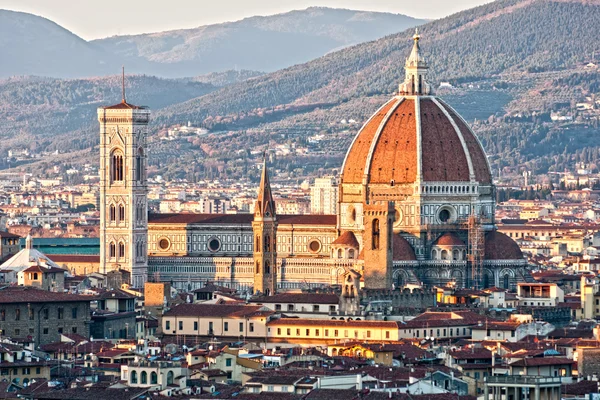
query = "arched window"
x=112 y=250
x=257 y=246
x=258 y=267
x=506 y=281
x=351 y=253
x=133 y=376
x=144 y=376
x=121 y=250
x=375 y=239
x=340 y=253
x=153 y=378
x=434 y=254
x=455 y=255
x=139 y=165
x=121 y=213
x=267 y=267
x=116 y=167
x=113 y=213
x=170 y=378
x=444 y=254
x=267 y=244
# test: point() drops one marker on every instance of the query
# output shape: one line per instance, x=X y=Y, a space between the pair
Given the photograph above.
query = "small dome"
x=346 y=239
x=449 y=239
x=402 y=250
x=498 y=246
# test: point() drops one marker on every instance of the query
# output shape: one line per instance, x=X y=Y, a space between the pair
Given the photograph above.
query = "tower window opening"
x=375 y=234
x=267 y=267
x=139 y=165
x=121 y=250
x=267 y=243
x=116 y=167
x=113 y=213
x=121 y=213
x=112 y=250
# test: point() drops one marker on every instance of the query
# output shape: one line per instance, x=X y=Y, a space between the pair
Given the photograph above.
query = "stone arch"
x=133 y=378
x=116 y=165
x=400 y=278
x=487 y=279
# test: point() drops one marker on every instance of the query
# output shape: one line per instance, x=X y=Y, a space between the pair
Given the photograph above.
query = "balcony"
x=524 y=380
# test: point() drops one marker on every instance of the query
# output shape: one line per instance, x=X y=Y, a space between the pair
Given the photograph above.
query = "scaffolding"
x=476 y=250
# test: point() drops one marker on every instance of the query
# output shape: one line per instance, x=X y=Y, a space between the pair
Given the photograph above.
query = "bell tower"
x=264 y=227
x=123 y=189
x=378 y=242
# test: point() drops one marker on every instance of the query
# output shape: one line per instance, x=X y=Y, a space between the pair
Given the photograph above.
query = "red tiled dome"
x=498 y=246
x=387 y=147
x=402 y=250
x=346 y=239
x=449 y=239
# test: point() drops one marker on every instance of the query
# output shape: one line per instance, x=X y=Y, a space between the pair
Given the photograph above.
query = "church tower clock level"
x=123 y=190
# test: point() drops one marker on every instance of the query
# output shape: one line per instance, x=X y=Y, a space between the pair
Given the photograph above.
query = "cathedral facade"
x=416 y=205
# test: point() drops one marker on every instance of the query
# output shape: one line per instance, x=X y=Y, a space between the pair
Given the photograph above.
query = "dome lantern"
x=415 y=82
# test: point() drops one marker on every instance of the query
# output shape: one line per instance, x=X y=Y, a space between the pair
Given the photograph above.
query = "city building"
x=324 y=196
x=42 y=315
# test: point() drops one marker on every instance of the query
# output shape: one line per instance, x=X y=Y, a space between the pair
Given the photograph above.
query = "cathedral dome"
x=498 y=246
x=415 y=137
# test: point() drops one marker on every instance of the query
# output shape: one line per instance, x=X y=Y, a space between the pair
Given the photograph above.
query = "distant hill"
x=33 y=45
x=503 y=36
x=257 y=43
x=513 y=62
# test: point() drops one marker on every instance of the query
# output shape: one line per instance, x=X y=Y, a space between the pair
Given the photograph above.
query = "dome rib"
x=350 y=174
x=375 y=141
x=460 y=137
x=394 y=156
x=481 y=164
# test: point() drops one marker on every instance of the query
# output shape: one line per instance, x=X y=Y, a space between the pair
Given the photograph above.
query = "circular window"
x=314 y=246
x=447 y=215
x=164 y=244
x=214 y=244
x=444 y=215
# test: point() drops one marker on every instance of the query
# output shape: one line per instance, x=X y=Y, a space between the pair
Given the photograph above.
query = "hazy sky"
x=96 y=19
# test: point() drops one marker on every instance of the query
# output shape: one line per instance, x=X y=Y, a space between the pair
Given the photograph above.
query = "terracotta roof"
x=449 y=239
x=76 y=258
x=386 y=146
x=124 y=106
x=540 y=361
x=472 y=354
x=115 y=294
x=308 y=298
x=8 y=235
x=283 y=219
x=214 y=310
x=402 y=250
x=346 y=239
x=498 y=246
x=27 y=294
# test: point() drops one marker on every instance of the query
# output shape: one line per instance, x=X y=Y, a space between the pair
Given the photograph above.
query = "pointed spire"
x=265 y=205
x=123 y=84
x=416 y=68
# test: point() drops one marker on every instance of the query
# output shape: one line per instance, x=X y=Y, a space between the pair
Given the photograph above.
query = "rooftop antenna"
x=123 y=83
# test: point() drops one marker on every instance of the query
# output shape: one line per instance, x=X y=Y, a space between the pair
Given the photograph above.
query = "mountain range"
x=33 y=45
x=507 y=60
